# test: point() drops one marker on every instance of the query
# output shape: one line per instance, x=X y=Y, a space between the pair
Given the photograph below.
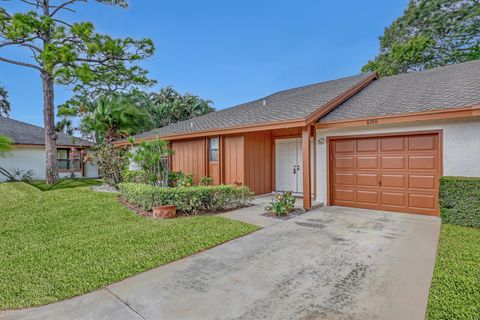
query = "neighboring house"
x=358 y=141
x=29 y=151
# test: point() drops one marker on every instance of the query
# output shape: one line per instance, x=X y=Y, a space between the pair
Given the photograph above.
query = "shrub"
x=135 y=176
x=206 y=181
x=151 y=157
x=193 y=200
x=282 y=204
x=111 y=162
x=460 y=201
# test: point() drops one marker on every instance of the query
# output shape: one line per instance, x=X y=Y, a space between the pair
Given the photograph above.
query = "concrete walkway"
x=330 y=263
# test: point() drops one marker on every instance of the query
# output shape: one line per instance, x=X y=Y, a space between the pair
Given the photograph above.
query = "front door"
x=289 y=165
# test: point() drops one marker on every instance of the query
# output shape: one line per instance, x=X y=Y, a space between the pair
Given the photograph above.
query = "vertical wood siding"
x=258 y=161
x=234 y=160
x=190 y=158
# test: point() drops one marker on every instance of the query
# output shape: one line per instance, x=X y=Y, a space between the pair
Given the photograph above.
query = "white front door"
x=288 y=165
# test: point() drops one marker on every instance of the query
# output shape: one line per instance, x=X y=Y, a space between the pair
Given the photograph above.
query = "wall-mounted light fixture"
x=321 y=140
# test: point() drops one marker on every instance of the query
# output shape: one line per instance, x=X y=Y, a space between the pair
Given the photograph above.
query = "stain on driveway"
x=331 y=263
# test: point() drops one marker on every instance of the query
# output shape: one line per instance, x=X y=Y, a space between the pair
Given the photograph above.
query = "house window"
x=68 y=159
x=213 y=149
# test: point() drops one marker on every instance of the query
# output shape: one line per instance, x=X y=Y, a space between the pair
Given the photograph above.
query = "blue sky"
x=228 y=51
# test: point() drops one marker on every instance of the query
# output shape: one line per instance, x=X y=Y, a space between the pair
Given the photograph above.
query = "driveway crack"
x=125 y=303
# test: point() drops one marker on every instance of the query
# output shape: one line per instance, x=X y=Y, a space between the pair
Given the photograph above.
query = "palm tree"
x=169 y=106
x=115 y=117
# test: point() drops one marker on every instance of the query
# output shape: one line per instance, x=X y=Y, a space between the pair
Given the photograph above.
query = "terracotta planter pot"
x=165 y=212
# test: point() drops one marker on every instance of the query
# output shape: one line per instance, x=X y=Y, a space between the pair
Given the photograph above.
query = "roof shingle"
x=287 y=105
x=452 y=86
x=24 y=133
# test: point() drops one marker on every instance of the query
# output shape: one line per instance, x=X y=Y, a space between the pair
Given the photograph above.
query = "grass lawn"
x=65 y=183
x=62 y=243
x=455 y=291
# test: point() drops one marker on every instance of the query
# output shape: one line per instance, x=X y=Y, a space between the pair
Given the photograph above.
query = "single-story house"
x=361 y=141
x=29 y=151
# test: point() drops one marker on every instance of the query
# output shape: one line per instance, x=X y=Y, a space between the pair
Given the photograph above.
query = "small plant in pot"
x=282 y=204
x=151 y=157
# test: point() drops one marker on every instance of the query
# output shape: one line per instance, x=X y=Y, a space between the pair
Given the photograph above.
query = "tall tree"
x=4 y=103
x=430 y=33
x=114 y=117
x=70 y=53
x=169 y=106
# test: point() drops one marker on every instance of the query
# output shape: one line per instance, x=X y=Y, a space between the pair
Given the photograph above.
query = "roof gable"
x=452 y=86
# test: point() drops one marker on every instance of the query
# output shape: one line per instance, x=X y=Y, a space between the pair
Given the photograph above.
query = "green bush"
x=193 y=200
x=460 y=201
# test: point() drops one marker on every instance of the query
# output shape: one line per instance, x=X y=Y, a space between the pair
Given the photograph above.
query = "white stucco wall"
x=461 y=146
x=25 y=159
x=33 y=158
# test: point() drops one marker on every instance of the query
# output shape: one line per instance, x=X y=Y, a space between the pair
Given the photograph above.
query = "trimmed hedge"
x=190 y=200
x=460 y=201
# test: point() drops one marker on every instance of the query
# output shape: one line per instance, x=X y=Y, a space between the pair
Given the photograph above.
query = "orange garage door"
x=393 y=173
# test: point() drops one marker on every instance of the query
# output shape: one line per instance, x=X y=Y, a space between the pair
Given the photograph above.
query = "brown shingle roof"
x=440 y=88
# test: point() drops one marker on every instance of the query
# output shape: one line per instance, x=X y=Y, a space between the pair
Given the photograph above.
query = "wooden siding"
x=190 y=158
x=234 y=160
x=258 y=161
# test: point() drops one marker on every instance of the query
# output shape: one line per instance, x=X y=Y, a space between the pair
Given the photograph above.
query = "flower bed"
x=190 y=200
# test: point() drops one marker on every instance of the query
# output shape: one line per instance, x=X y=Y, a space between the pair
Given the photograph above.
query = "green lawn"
x=66 y=183
x=62 y=243
x=455 y=291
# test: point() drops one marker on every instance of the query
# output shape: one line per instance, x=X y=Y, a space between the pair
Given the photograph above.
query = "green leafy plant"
x=193 y=200
x=206 y=181
x=151 y=157
x=135 y=176
x=459 y=199
x=184 y=180
x=5 y=144
x=282 y=204
x=111 y=162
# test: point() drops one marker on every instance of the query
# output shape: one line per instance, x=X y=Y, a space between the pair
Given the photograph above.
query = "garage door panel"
x=393 y=180
x=344 y=162
x=367 y=179
x=367 y=145
x=422 y=201
x=393 y=162
x=394 y=173
x=397 y=199
x=426 y=162
x=367 y=162
x=345 y=179
x=422 y=143
x=367 y=196
x=422 y=181
x=392 y=144
x=343 y=146
x=345 y=195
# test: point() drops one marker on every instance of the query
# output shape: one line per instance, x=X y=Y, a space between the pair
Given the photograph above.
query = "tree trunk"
x=49 y=124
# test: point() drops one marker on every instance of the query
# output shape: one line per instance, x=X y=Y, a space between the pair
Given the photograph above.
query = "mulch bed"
x=149 y=214
x=295 y=213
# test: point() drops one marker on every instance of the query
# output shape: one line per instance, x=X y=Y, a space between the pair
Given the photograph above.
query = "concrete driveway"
x=331 y=263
